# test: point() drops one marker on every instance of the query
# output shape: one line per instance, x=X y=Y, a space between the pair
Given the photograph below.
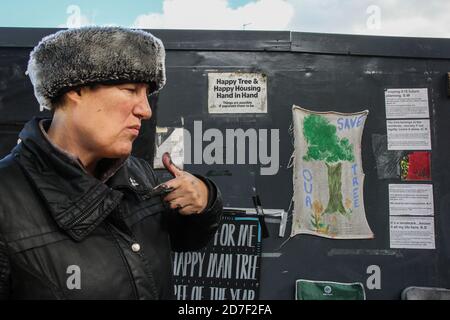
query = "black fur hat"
x=88 y=55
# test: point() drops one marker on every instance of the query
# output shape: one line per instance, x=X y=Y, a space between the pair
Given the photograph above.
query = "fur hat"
x=88 y=55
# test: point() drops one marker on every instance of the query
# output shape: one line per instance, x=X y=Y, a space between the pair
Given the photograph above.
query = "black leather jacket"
x=67 y=235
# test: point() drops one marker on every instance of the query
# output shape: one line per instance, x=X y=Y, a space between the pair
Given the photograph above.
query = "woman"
x=80 y=217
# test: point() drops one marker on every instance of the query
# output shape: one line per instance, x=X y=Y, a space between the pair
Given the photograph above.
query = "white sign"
x=406 y=103
x=231 y=92
x=408 y=134
x=412 y=232
x=169 y=140
x=411 y=199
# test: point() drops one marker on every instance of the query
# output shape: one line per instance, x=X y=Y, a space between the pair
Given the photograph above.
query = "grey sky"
x=417 y=18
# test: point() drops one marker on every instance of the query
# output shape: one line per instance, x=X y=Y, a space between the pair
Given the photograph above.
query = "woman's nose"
x=143 y=109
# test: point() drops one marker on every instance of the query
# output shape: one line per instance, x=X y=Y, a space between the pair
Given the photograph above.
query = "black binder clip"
x=260 y=213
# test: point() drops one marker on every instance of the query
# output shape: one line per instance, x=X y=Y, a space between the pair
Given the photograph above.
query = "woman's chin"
x=121 y=152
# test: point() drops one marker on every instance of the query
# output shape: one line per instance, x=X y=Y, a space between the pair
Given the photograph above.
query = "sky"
x=408 y=18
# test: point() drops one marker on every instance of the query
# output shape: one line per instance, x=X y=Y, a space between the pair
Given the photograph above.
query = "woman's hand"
x=189 y=195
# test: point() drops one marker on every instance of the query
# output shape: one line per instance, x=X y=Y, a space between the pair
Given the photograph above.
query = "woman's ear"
x=74 y=95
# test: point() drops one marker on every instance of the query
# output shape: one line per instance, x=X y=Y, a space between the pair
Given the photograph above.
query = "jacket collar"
x=77 y=201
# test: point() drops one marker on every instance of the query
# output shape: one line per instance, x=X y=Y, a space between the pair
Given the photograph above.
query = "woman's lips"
x=134 y=130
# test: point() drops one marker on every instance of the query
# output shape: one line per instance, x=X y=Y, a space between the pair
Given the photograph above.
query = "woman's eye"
x=130 y=91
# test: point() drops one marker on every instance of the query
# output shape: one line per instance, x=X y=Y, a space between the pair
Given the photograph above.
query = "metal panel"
x=371 y=45
x=173 y=39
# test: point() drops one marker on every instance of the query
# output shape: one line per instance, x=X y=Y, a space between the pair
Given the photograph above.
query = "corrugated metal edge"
x=360 y=45
x=220 y=40
x=23 y=37
x=281 y=41
x=192 y=40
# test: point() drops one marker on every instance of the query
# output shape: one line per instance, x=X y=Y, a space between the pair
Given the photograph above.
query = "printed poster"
x=411 y=199
x=416 y=166
x=228 y=268
x=406 y=103
x=412 y=232
x=328 y=175
x=169 y=140
x=236 y=92
x=408 y=134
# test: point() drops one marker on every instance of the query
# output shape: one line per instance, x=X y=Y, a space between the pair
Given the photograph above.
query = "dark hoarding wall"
x=319 y=72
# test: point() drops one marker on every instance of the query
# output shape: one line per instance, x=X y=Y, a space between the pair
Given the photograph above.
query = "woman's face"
x=108 y=118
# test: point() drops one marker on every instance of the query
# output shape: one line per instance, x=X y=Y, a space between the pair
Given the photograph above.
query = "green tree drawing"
x=325 y=145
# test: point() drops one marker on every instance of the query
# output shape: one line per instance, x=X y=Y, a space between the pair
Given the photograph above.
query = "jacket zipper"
x=89 y=211
x=143 y=195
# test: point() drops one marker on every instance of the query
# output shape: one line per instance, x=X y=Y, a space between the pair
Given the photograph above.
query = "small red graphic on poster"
x=416 y=166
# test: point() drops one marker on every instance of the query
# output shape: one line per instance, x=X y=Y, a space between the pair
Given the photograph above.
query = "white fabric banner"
x=328 y=177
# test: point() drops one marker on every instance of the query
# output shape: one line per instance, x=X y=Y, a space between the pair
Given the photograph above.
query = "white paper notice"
x=408 y=134
x=411 y=199
x=169 y=140
x=232 y=92
x=412 y=232
x=406 y=103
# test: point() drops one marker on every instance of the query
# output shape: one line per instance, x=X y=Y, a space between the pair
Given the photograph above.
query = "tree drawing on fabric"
x=316 y=218
x=325 y=145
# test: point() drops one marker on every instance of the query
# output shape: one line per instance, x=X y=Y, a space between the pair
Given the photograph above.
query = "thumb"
x=170 y=166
